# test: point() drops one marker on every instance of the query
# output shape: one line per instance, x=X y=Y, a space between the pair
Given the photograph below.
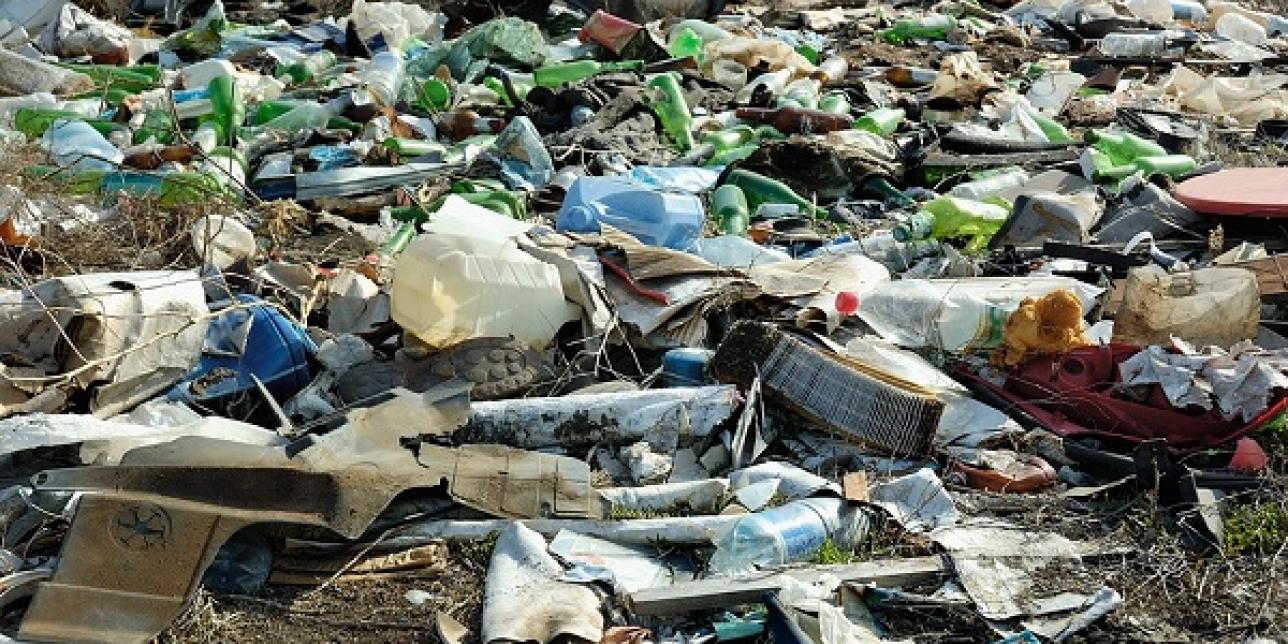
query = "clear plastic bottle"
x=985 y=187
x=884 y=249
x=777 y=536
x=1158 y=12
x=76 y=145
x=384 y=76
x=1127 y=45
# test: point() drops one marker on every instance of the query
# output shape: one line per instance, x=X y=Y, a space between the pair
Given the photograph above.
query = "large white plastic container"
x=465 y=277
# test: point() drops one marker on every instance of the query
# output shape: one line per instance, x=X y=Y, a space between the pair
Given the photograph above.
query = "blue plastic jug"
x=255 y=339
x=655 y=218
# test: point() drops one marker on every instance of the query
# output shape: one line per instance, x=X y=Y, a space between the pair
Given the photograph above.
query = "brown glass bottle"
x=797 y=120
x=466 y=123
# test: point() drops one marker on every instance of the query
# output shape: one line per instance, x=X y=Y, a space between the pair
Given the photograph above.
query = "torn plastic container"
x=248 y=340
x=381 y=25
x=130 y=335
x=1209 y=306
x=465 y=277
x=222 y=241
x=77 y=33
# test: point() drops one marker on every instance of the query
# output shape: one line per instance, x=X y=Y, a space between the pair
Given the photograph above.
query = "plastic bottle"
x=884 y=249
x=1131 y=45
x=932 y=27
x=730 y=210
x=672 y=109
x=1054 y=131
x=304 y=117
x=951 y=217
x=831 y=70
x=383 y=77
x=201 y=73
x=730 y=73
x=760 y=189
x=773 y=82
x=307 y=69
x=796 y=120
x=980 y=189
x=737 y=252
x=79 y=147
x=1238 y=27
x=882 y=121
x=653 y=217
x=707 y=31
x=777 y=536
x=558 y=74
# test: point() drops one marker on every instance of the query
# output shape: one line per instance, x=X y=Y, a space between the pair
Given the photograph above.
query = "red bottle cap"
x=847 y=302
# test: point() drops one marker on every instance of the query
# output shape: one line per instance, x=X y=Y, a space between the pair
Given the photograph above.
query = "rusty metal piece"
x=144 y=532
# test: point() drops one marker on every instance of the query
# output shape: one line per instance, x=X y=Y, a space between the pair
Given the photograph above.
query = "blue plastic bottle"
x=653 y=217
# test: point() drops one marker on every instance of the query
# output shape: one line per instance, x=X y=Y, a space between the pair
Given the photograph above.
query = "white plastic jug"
x=466 y=277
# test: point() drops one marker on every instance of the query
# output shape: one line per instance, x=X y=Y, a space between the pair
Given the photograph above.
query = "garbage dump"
x=644 y=321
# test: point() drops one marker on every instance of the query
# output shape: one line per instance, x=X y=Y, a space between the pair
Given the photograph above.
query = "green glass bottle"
x=671 y=108
x=306 y=70
x=932 y=27
x=135 y=79
x=732 y=155
x=1055 y=131
x=228 y=110
x=760 y=189
x=33 y=121
x=1123 y=147
x=1172 y=165
x=730 y=210
x=882 y=121
x=878 y=186
x=411 y=148
x=558 y=74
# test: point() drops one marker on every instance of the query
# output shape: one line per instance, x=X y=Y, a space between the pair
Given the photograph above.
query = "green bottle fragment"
x=932 y=27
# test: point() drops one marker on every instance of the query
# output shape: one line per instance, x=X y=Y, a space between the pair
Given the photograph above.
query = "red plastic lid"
x=1237 y=192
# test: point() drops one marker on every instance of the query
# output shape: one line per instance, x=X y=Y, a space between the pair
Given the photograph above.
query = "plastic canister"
x=274 y=350
x=686 y=367
x=653 y=217
x=787 y=533
x=465 y=277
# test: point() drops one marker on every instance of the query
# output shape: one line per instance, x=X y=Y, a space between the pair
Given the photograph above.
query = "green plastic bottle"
x=228 y=109
x=308 y=69
x=671 y=108
x=952 y=217
x=1123 y=147
x=559 y=74
x=730 y=210
x=760 y=189
x=882 y=121
x=932 y=27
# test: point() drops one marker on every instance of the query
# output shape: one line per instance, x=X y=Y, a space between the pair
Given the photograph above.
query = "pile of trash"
x=643 y=321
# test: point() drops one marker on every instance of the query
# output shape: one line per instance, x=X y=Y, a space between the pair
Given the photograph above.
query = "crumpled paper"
x=1239 y=382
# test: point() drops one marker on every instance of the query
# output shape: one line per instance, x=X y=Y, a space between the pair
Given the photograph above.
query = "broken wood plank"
x=722 y=592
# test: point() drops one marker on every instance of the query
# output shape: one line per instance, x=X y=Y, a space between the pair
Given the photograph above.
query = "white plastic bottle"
x=384 y=76
x=1133 y=45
